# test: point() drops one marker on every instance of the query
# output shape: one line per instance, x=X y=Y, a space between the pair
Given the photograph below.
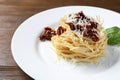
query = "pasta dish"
x=79 y=38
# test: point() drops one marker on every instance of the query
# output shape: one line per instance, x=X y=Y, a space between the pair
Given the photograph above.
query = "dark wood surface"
x=14 y=12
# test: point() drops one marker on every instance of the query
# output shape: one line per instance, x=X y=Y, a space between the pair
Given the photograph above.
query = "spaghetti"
x=82 y=41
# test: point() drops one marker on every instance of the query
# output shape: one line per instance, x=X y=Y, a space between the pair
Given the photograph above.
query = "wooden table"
x=14 y=12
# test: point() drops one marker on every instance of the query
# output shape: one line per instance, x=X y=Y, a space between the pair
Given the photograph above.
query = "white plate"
x=39 y=61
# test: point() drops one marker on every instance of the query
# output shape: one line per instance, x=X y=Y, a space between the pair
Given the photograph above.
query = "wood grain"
x=14 y=12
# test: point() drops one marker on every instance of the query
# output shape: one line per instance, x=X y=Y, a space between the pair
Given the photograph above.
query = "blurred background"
x=14 y=12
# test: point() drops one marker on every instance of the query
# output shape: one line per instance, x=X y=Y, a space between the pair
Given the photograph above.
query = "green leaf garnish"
x=113 y=35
